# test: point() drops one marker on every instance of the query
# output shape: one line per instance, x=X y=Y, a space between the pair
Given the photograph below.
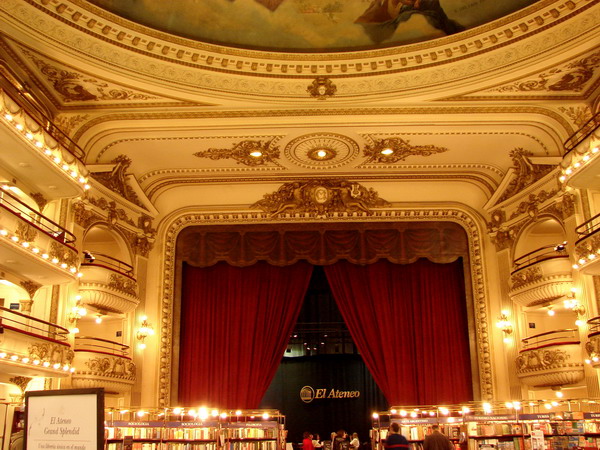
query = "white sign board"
x=71 y=419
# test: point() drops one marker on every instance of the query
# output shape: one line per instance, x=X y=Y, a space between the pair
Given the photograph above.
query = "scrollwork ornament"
x=63 y=254
x=526 y=172
x=319 y=198
x=250 y=153
x=123 y=284
x=25 y=232
x=399 y=149
x=525 y=276
x=321 y=88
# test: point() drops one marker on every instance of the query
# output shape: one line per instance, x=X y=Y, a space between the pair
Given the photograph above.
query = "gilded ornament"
x=526 y=172
x=53 y=353
x=531 y=205
x=116 y=180
x=319 y=198
x=249 y=153
x=63 y=254
x=541 y=359
x=25 y=232
x=76 y=87
x=572 y=77
x=112 y=367
x=31 y=287
x=39 y=199
x=578 y=115
x=498 y=217
x=321 y=88
x=525 y=276
x=393 y=150
x=123 y=284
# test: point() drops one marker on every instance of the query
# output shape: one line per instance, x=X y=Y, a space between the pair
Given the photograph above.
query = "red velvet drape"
x=409 y=323
x=235 y=325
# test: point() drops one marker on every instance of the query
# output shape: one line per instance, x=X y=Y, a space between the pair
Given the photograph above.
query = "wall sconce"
x=143 y=332
x=573 y=304
x=504 y=324
x=77 y=312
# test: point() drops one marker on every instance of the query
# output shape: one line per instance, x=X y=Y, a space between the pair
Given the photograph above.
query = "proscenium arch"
x=476 y=289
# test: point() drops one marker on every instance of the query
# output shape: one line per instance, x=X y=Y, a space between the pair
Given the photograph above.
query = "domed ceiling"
x=312 y=25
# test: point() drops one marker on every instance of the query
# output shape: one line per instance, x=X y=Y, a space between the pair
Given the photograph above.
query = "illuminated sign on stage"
x=308 y=394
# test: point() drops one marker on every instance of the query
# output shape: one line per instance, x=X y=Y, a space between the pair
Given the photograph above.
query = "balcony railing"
x=99 y=345
x=552 y=358
x=540 y=254
x=103 y=363
x=583 y=133
x=37 y=220
x=33 y=347
x=19 y=98
x=586 y=229
x=555 y=337
x=32 y=326
x=108 y=262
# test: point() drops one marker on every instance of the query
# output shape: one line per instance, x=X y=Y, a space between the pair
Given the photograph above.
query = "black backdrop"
x=341 y=372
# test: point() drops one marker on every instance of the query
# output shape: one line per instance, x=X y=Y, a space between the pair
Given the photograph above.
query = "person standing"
x=307 y=443
x=437 y=440
x=354 y=443
x=340 y=441
x=394 y=439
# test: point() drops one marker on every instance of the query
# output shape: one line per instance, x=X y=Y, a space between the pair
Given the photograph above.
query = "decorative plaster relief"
x=250 y=153
x=400 y=150
x=319 y=198
x=321 y=150
x=73 y=86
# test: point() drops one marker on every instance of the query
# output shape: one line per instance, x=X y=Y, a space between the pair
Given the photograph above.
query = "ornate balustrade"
x=40 y=246
x=103 y=363
x=32 y=347
x=581 y=162
x=551 y=359
x=587 y=247
x=108 y=284
x=592 y=346
x=541 y=276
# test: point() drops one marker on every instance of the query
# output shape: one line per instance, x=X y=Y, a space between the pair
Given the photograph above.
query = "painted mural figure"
x=382 y=17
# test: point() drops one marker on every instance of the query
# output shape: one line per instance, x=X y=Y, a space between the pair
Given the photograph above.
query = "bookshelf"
x=255 y=430
x=551 y=431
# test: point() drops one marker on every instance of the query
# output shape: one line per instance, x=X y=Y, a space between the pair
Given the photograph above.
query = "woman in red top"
x=307 y=442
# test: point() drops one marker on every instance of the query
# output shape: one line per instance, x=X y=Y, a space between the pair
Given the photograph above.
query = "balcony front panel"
x=32 y=252
x=541 y=282
x=23 y=353
x=551 y=365
x=108 y=290
x=592 y=346
x=35 y=156
x=581 y=165
x=114 y=373
x=587 y=251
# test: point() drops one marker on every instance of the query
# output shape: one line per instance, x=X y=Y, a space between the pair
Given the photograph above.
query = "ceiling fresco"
x=312 y=25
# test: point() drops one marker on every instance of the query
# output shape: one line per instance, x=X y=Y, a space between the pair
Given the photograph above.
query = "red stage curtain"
x=235 y=325
x=409 y=323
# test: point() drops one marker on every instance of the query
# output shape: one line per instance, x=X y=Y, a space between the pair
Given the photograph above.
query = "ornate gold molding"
x=123 y=284
x=250 y=153
x=526 y=276
x=526 y=172
x=25 y=232
x=39 y=199
x=31 y=287
x=52 y=353
x=570 y=77
x=319 y=198
x=113 y=367
x=73 y=86
x=393 y=150
x=321 y=88
x=476 y=261
x=115 y=180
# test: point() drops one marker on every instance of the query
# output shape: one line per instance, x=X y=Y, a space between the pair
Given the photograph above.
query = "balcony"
x=32 y=347
x=551 y=359
x=108 y=284
x=40 y=156
x=102 y=364
x=592 y=346
x=587 y=247
x=581 y=162
x=34 y=246
x=541 y=276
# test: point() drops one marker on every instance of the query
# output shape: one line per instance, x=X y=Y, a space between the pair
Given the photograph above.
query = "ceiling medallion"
x=321 y=150
x=321 y=154
x=321 y=88
x=320 y=198
x=249 y=153
x=394 y=150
